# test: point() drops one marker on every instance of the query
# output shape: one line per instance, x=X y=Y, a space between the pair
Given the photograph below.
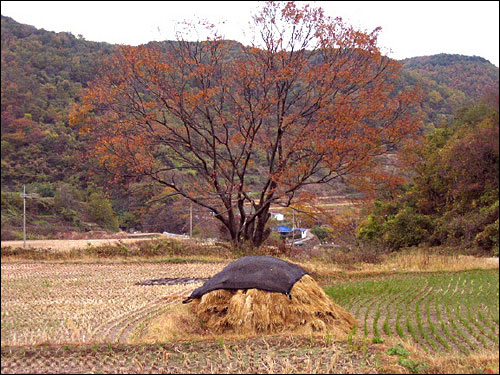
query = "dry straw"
x=253 y=312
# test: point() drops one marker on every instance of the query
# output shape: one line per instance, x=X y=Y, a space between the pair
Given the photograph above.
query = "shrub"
x=323 y=233
x=453 y=199
x=488 y=238
x=101 y=211
x=407 y=228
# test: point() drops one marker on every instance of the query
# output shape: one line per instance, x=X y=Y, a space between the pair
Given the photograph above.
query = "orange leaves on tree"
x=229 y=126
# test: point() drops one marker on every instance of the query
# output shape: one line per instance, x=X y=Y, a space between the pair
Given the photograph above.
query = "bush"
x=44 y=189
x=453 y=199
x=370 y=229
x=323 y=233
x=488 y=238
x=407 y=228
x=101 y=211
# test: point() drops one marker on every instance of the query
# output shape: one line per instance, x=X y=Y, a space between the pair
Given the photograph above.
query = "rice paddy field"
x=91 y=317
x=439 y=312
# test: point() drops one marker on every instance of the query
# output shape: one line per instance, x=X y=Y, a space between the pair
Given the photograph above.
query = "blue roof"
x=283 y=229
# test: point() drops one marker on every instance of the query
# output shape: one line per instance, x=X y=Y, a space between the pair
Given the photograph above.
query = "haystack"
x=303 y=308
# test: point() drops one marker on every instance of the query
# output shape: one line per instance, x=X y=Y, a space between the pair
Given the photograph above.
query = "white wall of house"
x=278 y=216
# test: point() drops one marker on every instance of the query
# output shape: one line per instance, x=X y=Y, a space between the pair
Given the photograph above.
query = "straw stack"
x=255 y=311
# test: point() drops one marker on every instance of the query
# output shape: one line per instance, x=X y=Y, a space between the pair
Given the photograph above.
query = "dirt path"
x=79 y=244
x=68 y=244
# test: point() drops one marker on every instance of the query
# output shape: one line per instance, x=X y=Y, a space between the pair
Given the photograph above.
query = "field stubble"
x=86 y=303
x=89 y=314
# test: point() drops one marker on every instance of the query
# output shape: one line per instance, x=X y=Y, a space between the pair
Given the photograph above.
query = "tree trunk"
x=261 y=233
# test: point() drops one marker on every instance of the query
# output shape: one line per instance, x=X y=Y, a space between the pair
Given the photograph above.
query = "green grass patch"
x=441 y=311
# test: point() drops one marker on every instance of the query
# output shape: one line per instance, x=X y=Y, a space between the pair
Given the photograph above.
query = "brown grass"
x=415 y=261
x=422 y=260
x=486 y=361
x=481 y=361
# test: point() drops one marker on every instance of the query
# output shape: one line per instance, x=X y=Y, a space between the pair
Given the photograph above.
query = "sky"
x=409 y=28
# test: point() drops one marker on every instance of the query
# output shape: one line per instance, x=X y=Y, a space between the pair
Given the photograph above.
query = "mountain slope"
x=43 y=74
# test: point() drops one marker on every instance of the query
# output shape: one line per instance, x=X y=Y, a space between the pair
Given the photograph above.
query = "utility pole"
x=191 y=220
x=24 y=216
x=293 y=227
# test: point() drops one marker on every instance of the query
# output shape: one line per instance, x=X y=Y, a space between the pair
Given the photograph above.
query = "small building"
x=284 y=231
x=277 y=216
x=302 y=232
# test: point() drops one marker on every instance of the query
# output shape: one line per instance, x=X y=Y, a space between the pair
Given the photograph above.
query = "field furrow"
x=440 y=312
x=81 y=303
x=55 y=303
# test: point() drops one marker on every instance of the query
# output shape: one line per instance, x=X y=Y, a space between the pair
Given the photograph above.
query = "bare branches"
x=250 y=126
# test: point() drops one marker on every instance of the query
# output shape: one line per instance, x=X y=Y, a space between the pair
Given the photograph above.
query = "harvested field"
x=84 y=317
x=82 y=303
x=254 y=356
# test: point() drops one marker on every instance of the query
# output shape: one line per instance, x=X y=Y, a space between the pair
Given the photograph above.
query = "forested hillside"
x=43 y=74
x=42 y=77
x=453 y=197
x=450 y=82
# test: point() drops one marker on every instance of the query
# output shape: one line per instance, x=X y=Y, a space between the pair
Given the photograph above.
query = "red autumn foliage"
x=311 y=102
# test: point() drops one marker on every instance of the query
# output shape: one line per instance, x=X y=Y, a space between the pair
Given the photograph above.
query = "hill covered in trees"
x=43 y=74
x=450 y=82
x=453 y=197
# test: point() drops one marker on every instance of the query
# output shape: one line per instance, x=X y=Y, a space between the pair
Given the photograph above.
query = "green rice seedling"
x=469 y=328
x=420 y=327
x=444 y=328
x=483 y=292
x=431 y=325
x=399 y=329
x=388 y=290
x=349 y=293
x=483 y=315
x=490 y=327
x=365 y=326
x=409 y=326
x=356 y=313
x=371 y=291
x=436 y=310
x=492 y=296
x=395 y=302
x=375 y=327
x=452 y=299
x=386 y=328
x=408 y=292
x=398 y=350
x=479 y=326
x=457 y=329
x=351 y=335
x=412 y=331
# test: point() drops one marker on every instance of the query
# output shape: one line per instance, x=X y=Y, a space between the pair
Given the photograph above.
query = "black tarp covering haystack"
x=253 y=272
x=257 y=295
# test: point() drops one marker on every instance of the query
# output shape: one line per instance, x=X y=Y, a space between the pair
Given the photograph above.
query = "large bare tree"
x=237 y=128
